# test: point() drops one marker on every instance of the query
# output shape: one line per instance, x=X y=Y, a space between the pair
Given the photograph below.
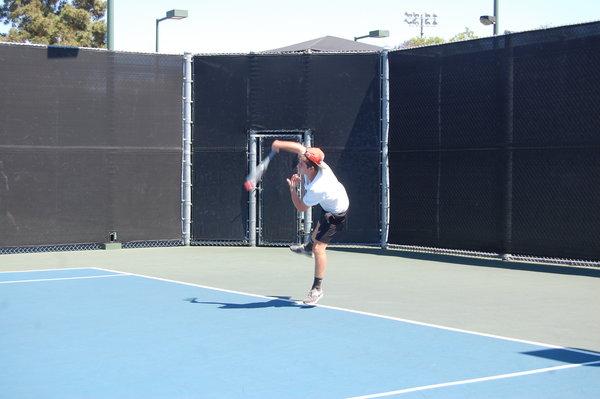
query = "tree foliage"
x=467 y=34
x=421 y=41
x=63 y=22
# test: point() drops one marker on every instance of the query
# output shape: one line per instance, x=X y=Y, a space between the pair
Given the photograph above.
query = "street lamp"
x=491 y=19
x=173 y=14
x=374 y=33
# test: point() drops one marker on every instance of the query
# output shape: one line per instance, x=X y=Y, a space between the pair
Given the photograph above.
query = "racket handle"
x=252 y=179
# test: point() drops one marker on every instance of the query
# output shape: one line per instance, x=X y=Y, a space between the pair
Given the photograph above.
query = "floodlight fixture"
x=487 y=19
x=374 y=33
x=422 y=20
x=176 y=14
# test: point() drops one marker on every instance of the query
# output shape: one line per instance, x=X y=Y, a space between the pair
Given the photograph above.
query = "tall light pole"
x=173 y=14
x=491 y=19
x=374 y=33
x=422 y=19
x=110 y=26
x=496 y=17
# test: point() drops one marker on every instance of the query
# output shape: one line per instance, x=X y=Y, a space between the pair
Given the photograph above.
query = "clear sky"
x=226 y=26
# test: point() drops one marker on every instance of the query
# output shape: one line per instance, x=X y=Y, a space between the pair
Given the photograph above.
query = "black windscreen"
x=336 y=97
x=90 y=142
x=494 y=144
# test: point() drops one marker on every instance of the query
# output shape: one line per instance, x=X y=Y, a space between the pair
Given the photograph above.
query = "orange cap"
x=315 y=155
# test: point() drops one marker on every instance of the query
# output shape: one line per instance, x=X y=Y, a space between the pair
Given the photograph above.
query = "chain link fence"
x=494 y=146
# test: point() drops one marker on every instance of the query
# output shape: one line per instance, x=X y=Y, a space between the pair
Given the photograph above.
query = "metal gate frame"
x=254 y=223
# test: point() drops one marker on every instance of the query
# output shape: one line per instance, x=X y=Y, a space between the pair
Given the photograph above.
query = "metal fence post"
x=508 y=71
x=385 y=128
x=308 y=212
x=186 y=172
x=252 y=194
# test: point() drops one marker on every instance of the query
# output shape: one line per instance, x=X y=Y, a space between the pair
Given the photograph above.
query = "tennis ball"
x=248 y=185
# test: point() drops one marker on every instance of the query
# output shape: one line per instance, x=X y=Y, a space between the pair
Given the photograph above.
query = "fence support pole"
x=508 y=66
x=308 y=212
x=252 y=144
x=385 y=127
x=186 y=175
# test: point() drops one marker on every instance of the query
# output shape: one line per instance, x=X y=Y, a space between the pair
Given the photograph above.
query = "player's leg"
x=321 y=235
x=316 y=291
x=326 y=228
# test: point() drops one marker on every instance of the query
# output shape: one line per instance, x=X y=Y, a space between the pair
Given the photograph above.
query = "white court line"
x=366 y=314
x=62 y=278
x=47 y=270
x=473 y=380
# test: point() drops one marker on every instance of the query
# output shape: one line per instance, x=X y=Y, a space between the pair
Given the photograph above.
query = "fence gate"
x=273 y=220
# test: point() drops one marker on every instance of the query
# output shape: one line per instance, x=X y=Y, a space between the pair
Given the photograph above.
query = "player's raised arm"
x=289 y=146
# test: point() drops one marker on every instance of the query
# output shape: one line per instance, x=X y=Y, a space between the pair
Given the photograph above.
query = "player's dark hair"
x=311 y=164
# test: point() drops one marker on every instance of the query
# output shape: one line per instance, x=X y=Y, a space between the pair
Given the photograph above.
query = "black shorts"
x=328 y=224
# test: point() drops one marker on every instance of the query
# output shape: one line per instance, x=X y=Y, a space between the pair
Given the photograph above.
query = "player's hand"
x=294 y=180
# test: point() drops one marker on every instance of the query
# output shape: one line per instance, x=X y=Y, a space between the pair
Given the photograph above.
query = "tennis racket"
x=261 y=168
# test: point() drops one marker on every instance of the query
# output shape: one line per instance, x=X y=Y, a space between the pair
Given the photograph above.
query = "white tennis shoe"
x=301 y=250
x=313 y=297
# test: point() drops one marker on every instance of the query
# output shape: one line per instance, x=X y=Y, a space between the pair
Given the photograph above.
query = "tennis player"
x=321 y=187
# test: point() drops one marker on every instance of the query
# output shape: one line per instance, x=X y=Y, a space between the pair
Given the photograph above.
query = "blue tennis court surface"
x=93 y=333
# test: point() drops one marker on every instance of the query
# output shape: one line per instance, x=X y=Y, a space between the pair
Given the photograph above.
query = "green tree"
x=468 y=34
x=421 y=41
x=64 y=22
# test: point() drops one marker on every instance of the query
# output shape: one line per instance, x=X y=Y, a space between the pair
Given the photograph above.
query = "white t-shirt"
x=326 y=190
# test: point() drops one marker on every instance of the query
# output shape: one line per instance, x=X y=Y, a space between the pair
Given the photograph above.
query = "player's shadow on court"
x=276 y=302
